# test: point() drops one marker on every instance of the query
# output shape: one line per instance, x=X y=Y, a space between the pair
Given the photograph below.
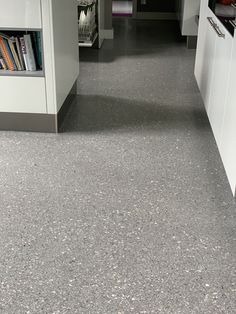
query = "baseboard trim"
x=28 y=122
x=37 y=122
x=107 y=33
x=191 y=42
x=66 y=106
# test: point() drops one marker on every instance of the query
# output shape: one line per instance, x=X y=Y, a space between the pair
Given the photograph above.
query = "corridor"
x=139 y=217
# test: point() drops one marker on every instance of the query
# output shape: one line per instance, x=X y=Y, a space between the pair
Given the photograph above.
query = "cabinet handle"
x=210 y=20
x=215 y=27
x=232 y=23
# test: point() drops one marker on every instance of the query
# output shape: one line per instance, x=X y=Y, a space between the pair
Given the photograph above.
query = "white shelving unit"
x=97 y=36
x=36 y=101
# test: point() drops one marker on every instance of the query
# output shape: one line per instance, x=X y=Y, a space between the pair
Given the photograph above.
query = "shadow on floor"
x=92 y=113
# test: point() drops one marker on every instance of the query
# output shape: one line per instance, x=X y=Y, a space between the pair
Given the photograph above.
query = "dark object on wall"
x=156 y=6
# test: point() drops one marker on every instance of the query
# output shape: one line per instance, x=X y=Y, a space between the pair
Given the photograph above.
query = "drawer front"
x=20 y=14
x=23 y=94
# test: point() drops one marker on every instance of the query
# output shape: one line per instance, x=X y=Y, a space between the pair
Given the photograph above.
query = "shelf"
x=21 y=29
x=22 y=73
x=89 y=43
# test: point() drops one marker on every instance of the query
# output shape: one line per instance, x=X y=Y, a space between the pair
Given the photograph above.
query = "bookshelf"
x=91 y=22
x=13 y=48
x=37 y=99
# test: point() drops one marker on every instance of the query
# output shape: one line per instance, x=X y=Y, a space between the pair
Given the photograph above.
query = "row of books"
x=20 y=51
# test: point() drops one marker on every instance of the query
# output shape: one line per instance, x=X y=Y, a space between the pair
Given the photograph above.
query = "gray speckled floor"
x=128 y=210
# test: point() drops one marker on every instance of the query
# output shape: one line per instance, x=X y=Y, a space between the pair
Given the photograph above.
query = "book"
x=2 y=58
x=19 y=52
x=37 y=48
x=29 y=53
x=5 y=53
x=2 y=62
x=4 y=35
x=24 y=53
x=10 y=53
x=11 y=42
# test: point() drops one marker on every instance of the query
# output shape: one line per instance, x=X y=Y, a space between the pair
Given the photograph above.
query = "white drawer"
x=23 y=94
x=20 y=14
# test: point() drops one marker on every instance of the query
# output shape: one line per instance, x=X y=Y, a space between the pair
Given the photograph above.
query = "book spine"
x=14 y=54
x=30 y=53
x=39 y=49
x=3 y=64
x=20 y=53
x=3 y=57
x=5 y=54
x=7 y=43
x=24 y=53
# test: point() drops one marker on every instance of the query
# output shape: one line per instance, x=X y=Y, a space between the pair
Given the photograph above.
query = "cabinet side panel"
x=65 y=45
x=49 y=60
x=228 y=144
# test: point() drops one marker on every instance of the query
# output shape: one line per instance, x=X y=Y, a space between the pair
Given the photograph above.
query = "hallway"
x=129 y=209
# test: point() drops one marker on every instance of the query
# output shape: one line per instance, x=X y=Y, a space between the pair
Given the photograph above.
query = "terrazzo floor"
x=129 y=209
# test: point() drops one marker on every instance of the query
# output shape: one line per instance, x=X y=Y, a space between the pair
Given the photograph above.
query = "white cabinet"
x=204 y=60
x=228 y=140
x=20 y=14
x=40 y=95
x=215 y=71
x=220 y=82
x=65 y=48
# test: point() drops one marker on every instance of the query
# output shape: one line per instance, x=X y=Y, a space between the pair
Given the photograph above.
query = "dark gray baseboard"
x=66 y=106
x=191 y=42
x=34 y=122
x=29 y=122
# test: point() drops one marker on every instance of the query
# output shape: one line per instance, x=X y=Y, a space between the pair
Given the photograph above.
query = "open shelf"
x=21 y=53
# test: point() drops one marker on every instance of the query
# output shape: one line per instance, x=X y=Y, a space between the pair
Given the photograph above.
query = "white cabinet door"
x=201 y=42
x=23 y=94
x=220 y=81
x=228 y=140
x=61 y=66
x=20 y=14
x=205 y=55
